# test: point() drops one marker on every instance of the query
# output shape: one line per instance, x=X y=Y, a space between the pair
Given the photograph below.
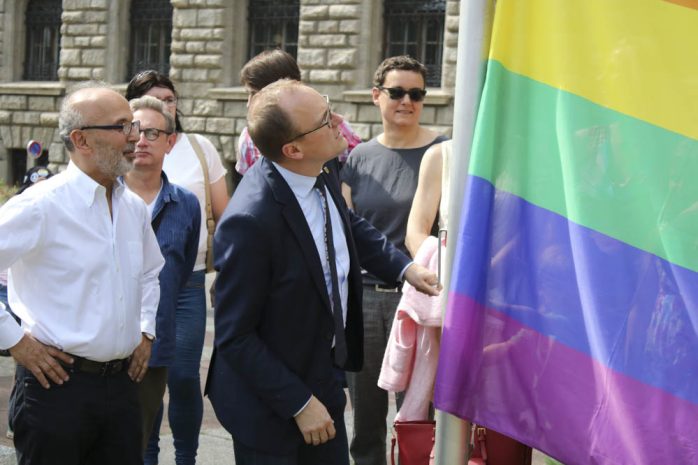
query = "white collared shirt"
x=80 y=280
x=314 y=211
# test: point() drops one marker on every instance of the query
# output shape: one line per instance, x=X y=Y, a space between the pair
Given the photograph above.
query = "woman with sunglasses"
x=184 y=166
x=379 y=180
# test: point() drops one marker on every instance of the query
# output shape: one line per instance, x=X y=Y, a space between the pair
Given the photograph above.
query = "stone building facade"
x=339 y=47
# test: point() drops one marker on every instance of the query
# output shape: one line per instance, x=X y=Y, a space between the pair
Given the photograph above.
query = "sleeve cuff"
x=148 y=327
x=10 y=332
x=401 y=276
x=302 y=408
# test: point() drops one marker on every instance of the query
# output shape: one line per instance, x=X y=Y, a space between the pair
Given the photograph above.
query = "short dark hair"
x=270 y=127
x=402 y=63
x=267 y=67
x=142 y=82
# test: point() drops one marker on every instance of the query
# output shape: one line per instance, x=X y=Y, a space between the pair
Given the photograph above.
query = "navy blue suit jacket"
x=273 y=320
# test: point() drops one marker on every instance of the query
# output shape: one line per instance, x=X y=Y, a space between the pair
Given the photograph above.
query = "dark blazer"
x=273 y=320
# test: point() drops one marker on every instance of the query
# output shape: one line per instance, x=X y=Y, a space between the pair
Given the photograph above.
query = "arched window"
x=273 y=24
x=43 y=40
x=416 y=28
x=151 y=36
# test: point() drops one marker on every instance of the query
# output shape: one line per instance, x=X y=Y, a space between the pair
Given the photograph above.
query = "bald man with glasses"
x=288 y=294
x=84 y=266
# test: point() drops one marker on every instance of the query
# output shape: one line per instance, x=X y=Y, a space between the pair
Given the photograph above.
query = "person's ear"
x=291 y=151
x=77 y=137
x=171 y=141
x=375 y=94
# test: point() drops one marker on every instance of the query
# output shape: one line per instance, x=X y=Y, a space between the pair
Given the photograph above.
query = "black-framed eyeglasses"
x=153 y=133
x=126 y=128
x=326 y=121
x=397 y=93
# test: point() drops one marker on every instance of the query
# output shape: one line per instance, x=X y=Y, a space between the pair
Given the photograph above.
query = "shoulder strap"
x=210 y=224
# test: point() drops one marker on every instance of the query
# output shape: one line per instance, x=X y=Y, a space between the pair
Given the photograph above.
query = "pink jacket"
x=410 y=359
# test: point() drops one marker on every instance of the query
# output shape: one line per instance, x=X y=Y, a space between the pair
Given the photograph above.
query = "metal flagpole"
x=452 y=433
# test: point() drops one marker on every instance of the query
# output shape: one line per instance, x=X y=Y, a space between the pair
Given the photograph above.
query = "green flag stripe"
x=600 y=168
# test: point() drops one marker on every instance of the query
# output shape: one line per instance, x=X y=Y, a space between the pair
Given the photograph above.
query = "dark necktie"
x=340 y=344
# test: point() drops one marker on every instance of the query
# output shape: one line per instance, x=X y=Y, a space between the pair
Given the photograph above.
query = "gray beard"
x=112 y=162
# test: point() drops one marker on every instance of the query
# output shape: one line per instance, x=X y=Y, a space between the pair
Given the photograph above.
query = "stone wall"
x=2 y=29
x=29 y=112
x=337 y=53
x=85 y=24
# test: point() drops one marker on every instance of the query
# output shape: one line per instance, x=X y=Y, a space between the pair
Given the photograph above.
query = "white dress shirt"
x=80 y=280
x=314 y=210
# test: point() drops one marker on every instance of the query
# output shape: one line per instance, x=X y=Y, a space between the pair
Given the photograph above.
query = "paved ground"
x=215 y=445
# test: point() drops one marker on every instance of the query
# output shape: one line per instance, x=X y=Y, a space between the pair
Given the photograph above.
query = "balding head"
x=87 y=103
x=96 y=126
x=268 y=122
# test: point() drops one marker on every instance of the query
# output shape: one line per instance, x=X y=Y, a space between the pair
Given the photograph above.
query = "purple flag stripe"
x=532 y=387
x=626 y=308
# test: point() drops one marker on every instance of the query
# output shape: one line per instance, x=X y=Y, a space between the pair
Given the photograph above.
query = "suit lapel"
x=298 y=225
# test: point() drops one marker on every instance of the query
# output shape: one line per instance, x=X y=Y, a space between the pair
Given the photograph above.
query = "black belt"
x=109 y=368
x=384 y=287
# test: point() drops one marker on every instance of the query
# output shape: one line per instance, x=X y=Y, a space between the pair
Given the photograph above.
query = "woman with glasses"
x=379 y=181
x=263 y=69
x=184 y=166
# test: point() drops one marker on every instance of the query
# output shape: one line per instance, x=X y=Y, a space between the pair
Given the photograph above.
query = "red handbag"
x=492 y=448
x=415 y=440
x=478 y=453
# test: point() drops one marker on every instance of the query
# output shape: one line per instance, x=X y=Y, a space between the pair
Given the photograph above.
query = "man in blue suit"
x=288 y=294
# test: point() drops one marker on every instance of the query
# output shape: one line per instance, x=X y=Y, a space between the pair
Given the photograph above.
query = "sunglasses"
x=397 y=93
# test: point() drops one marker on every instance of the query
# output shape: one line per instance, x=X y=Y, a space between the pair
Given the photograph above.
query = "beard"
x=112 y=162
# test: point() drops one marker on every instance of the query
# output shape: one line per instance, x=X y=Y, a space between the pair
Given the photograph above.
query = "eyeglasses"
x=153 y=133
x=397 y=93
x=326 y=120
x=126 y=128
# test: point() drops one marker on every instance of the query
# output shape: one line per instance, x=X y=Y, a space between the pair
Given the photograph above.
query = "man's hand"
x=422 y=279
x=41 y=360
x=315 y=423
x=138 y=365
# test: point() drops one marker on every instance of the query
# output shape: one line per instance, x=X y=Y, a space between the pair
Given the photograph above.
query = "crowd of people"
x=311 y=253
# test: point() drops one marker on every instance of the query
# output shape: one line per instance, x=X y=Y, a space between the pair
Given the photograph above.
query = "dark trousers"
x=151 y=390
x=369 y=402
x=90 y=419
x=333 y=452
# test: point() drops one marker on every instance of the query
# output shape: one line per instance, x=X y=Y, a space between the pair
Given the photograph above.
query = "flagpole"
x=452 y=433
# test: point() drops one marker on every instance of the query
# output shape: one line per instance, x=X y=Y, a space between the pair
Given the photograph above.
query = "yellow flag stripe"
x=638 y=57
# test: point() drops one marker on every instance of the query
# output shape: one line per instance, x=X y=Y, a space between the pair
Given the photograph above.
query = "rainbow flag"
x=572 y=322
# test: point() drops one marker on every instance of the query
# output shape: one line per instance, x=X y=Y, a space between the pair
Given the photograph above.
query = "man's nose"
x=141 y=139
x=134 y=136
x=336 y=119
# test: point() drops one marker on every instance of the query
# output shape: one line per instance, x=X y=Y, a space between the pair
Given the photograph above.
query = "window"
x=151 y=36
x=273 y=24
x=18 y=166
x=43 y=43
x=416 y=28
